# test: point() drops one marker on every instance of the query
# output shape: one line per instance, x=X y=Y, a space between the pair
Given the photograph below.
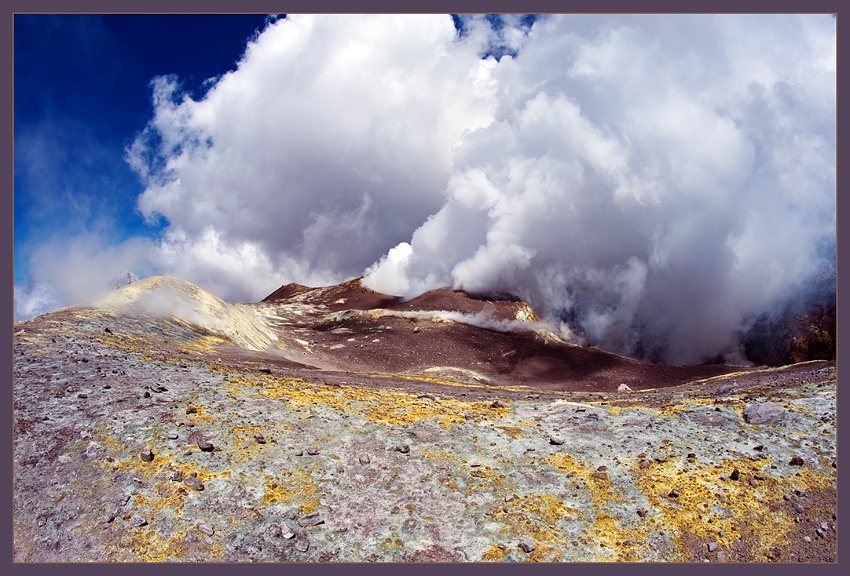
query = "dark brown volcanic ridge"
x=459 y=336
x=158 y=423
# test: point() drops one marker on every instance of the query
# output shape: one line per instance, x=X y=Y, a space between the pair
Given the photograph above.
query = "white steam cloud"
x=648 y=183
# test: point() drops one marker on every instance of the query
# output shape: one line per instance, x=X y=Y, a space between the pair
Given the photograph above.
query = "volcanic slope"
x=158 y=423
x=453 y=335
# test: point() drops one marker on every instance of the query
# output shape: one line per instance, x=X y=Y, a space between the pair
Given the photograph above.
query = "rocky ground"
x=165 y=438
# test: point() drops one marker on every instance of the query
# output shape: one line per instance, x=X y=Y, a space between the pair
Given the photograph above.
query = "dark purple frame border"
x=377 y=6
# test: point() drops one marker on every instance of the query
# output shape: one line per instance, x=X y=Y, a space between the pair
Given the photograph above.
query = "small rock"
x=191 y=410
x=807 y=539
x=299 y=453
x=426 y=396
x=364 y=459
x=497 y=404
x=107 y=330
x=206 y=529
x=292 y=515
x=735 y=474
x=623 y=388
x=206 y=446
x=691 y=456
x=146 y=394
x=763 y=412
x=146 y=455
x=312 y=451
x=82 y=396
x=712 y=546
x=266 y=370
x=599 y=475
x=177 y=476
x=138 y=521
x=556 y=440
x=194 y=483
x=820 y=532
x=173 y=436
x=302 y=545
x=641 y=513
x=311 y=519
x=796 y=461
x=259 y=438
x=84 y=435
x=758 y=448
x=799 y=508
x=527 y=545
x=786 y=497
x=403 y=448
x=501 y=546
x=673 y=493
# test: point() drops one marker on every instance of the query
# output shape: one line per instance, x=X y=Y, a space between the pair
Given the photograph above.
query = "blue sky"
x=620 y=172
x=81 y=92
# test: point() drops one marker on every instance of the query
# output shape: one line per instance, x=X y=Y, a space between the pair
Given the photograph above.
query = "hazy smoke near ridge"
x=649 y=183
x=654 y=183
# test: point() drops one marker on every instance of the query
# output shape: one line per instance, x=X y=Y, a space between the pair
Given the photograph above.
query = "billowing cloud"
x=652 y=183
x=648 y=183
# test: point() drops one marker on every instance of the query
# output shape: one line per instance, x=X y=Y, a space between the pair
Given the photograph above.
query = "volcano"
x=158 y=422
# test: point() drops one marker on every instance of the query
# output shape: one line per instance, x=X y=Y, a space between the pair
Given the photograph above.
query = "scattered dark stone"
x=311 y=519
x=497 y=404
x=798 y=508
x=206 y=529
x=527 y=545
x=758 y=477
x=796 y=461
x=147 y=455
x=673 y=493
x=206 y=446
x=403 y=448
x=758 y=448
x=599 y=475
x=146 y=394
x=364 y=459
x=735 y=474
x=820 y=532
x=312 y=451
x=107 y=330
x=641 y=513
x=299 y=453
x=177 y=476
x=194 y=483
x=556 y=440
x=82 y=396
x=798 y=492
x=266 y=370
x=138 y=521
x=191 y=410
x=173 y=436
x=501 y=546
x=691 y=455
x=786 y=497
x=644 y=464
x=416 y=330
x=106 y=386
x=259 y=438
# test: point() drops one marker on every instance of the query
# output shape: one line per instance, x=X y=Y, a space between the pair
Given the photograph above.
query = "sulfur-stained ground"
x=317 y=465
